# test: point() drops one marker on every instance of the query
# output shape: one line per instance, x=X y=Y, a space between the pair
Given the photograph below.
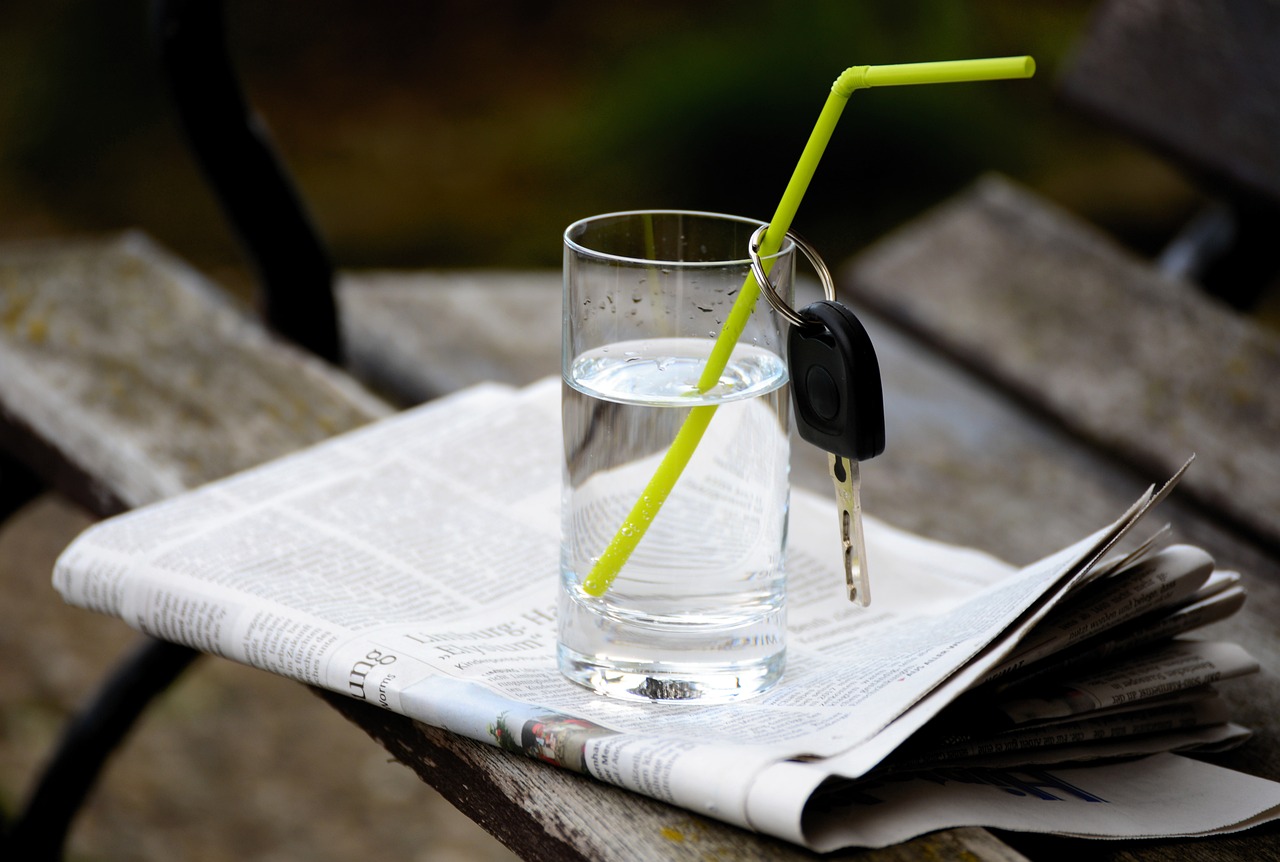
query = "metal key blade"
x=844 y=475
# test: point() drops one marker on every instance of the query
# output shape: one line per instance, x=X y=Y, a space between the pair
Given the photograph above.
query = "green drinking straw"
x=686 y=441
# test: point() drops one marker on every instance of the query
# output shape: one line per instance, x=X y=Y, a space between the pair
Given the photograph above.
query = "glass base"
x=671 y=681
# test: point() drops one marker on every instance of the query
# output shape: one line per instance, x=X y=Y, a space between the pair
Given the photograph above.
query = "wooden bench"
x=1018 y=419
x=967 y=463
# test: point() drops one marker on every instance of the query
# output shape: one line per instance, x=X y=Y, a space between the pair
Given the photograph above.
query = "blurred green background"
x=468 y=134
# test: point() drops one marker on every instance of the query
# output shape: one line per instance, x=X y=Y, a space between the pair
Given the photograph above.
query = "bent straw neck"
x=939 y=72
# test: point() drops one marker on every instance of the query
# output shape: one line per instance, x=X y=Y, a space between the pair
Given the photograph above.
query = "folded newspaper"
x=413 y=564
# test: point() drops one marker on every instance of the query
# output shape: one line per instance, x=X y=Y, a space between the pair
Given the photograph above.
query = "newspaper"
x=413 y=564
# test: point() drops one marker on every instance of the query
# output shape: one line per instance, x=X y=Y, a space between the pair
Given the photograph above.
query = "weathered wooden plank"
x=1197 y=80
x=1145 y=366
x=125 y=376
x=558 y=815
x=418 y=335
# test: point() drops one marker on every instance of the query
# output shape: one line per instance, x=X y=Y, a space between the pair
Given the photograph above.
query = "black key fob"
x=835 y=382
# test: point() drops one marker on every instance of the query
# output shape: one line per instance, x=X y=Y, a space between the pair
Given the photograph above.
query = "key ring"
x=770 y=292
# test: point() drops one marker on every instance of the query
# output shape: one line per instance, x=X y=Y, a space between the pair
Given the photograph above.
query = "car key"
x=839 y=407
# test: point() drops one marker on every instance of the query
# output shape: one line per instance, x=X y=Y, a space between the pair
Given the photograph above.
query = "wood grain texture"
x=417 y=335
x=1146 y=367
x=127 y=377
x=546 y=814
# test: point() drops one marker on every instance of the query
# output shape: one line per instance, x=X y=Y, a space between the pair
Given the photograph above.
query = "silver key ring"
x=770 y=292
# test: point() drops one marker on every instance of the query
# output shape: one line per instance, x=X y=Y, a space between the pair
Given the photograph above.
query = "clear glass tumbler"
x=698 y=609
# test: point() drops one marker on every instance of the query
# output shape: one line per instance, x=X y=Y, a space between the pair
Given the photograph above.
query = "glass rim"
x=788 y=245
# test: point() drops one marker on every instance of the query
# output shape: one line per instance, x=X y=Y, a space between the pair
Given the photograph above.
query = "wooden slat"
x=125 y=376
x=418 y=335
x=1194 y=79
x=562 y=816
x=1145 y=366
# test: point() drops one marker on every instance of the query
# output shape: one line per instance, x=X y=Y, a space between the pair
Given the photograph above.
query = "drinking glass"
x=698 y=609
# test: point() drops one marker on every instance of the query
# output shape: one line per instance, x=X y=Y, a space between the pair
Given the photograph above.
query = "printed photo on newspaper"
x=404 y=565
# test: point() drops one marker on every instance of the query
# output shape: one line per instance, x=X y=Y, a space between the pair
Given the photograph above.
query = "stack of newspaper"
x=413 y=564
x=1102 y=674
